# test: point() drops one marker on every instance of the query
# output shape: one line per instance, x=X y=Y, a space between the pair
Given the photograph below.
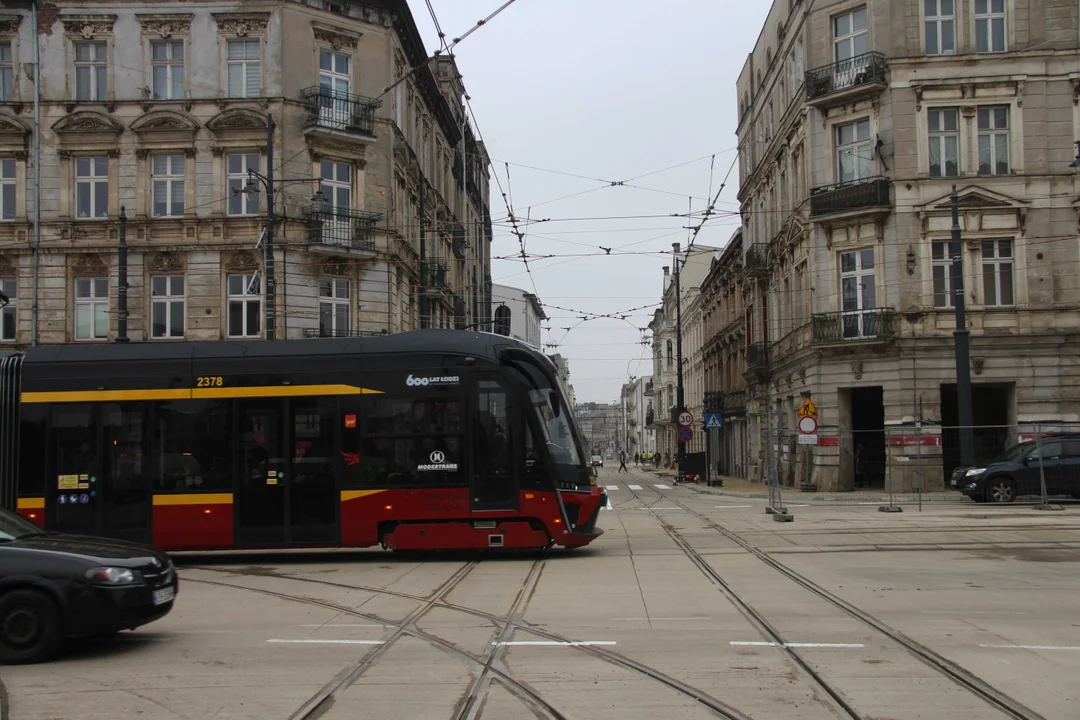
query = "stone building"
x=639 y=439
x=724 y=357
x=517 y=314
x=162 y=109
x=856 y=120
x=599 y=425
x=693 y=268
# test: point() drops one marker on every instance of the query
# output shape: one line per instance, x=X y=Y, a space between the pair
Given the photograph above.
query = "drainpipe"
x=37 y=171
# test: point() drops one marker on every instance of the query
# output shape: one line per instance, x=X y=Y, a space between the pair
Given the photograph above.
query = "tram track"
x=962 y=677
x=509 y=623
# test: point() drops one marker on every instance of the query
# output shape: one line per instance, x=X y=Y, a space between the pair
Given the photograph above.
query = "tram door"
x=288 y=490
x=495 y=443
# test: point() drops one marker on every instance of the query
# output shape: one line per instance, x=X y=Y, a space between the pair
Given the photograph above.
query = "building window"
x=91 y=71
x=858 y=293
x=940 y=27
x=242 y=202
x=167 y=68
x=167 y=178
x=502 y=320
x=7 y=73
x=7 y=189
x=990 y=26
x=92 y=187
x=850 y=38
x=245 y=305
x=91 y=308
x=9 y=314
x=944 y=130
x=997 y=266
x=670 y=355
x=994 y=140
x=943 y=254
x=334 y=87
x=337 y=187
x=167 y=306
x=335 y=313
x=853 y=151
x=244 y=68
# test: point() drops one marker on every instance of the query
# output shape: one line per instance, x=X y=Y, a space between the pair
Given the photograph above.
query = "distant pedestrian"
x=622 y=462
x=636 y=456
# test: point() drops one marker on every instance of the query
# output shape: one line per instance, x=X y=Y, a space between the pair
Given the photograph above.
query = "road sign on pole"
x=807 y=425
x=808 y=409
x=685 y=435
x=713 y=421
x=686 y=419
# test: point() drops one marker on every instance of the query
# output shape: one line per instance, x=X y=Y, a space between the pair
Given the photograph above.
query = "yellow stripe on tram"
x=194 y=393
x=195 y=499
x=31 y=503
x=353 y=494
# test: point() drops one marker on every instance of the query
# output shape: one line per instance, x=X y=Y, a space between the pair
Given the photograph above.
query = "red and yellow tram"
x=425 y=440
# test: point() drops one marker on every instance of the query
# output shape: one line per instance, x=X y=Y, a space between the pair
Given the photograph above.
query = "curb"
x=833 y=497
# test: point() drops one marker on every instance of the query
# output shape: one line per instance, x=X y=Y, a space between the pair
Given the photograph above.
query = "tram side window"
x=406 y=442
x=192 y=448
x=32 y=449
x=492 y=430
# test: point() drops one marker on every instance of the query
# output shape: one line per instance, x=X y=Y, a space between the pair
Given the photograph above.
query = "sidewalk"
x=737 y=487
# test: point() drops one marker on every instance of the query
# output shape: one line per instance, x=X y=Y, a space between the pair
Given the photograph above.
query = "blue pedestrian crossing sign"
x=712 y=421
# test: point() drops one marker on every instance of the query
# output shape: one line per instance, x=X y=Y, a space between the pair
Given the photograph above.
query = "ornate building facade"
x=381 y=199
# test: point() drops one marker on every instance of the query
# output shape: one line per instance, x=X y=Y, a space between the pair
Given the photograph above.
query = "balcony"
x=735 y=402
x=757 y=358
x=853 y=197
x=846 y=80
x=340 y=230
x=334 y=110
x=324 y=332
x=650 y=417
x=714 y=401
x=648 y=391
x=851 y=327
x=437 y=275
x=757 y=261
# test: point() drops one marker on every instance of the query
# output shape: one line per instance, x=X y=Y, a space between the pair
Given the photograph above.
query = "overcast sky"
x=616 y=90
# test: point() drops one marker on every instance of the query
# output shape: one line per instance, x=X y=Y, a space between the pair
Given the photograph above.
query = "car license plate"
x=164 y=595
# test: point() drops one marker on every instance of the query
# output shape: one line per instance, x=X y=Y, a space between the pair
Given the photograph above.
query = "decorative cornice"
x=242 y=260
x=166 y=262
x=7 y=267
x=87 y=122
x=165 y=25
x=9 y=24
x=90 y=264
x=335 y=37
x=165 y=121
x=241 y=24
x=88 y=26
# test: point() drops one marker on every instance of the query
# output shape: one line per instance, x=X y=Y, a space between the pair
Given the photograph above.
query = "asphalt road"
x=692 y=605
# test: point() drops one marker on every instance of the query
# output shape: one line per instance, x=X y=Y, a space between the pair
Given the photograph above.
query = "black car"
x=1016 y=472
x=55 y=586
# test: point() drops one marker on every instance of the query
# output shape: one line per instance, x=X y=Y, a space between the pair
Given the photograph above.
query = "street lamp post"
x=268 y=181
x=679 y=399
x=963 y=363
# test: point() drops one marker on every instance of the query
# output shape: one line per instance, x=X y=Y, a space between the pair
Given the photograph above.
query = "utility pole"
x=271 y=296
x=963 y=362
x=424 y=320
x=679 y=399
x=122 y=282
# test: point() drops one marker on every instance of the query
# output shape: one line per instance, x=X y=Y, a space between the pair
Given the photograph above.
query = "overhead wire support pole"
x=965 y=416
x=680 y=399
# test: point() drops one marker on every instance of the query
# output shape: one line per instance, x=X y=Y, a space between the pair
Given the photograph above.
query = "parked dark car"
x=1016 y=471
x=55 y=586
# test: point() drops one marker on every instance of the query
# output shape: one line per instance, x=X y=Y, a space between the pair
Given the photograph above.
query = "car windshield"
x=1015 y=452
x=12 y=527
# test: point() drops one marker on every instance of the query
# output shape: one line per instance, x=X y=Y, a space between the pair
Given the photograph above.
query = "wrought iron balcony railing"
x=864 y=70
x=325 y=332
x=757 y=260
x=734 y=401
x=340 y=227
x=757 y=356
x=650 y=417
x=337 y=110
x=437 y=274
x=850 y=326
x=848 y=196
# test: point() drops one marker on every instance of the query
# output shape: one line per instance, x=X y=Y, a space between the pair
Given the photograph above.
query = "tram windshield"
x=555 y=422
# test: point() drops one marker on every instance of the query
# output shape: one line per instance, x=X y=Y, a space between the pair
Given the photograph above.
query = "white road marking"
x=762 y=643
x=612 y=487
x=552 y=643
x=974 y=612
x=733 y=506
x=665 y=618
x=634 y=487
x=312 y=641
x=662 y=487
x=1032 y=647
x=337 y=625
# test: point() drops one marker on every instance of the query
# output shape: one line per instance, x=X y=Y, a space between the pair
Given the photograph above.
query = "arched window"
x=670 y=354
x=502 y=320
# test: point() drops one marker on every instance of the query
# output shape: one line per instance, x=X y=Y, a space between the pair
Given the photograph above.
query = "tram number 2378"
x=209 y=381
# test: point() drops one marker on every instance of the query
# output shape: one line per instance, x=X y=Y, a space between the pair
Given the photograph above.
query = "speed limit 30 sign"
x=686 y=419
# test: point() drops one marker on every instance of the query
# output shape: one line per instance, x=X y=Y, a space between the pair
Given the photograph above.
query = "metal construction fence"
x=1032 y=461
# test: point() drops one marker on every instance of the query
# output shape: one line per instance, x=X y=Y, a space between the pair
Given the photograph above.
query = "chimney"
x=667 y=278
